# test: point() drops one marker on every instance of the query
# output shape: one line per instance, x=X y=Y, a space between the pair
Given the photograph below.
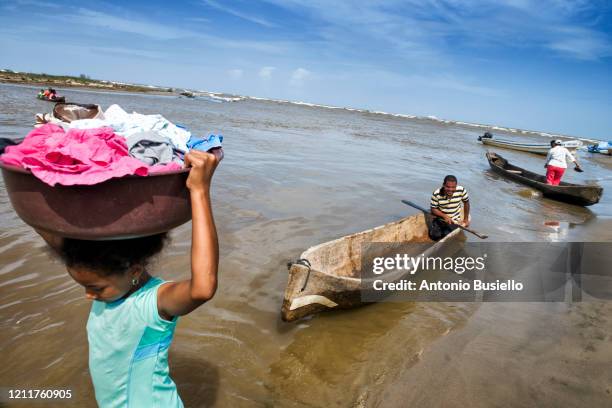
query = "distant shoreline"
x=66 y=81
x=84 y=82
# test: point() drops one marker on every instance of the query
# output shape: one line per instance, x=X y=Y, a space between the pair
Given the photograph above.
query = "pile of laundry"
x=81 y=145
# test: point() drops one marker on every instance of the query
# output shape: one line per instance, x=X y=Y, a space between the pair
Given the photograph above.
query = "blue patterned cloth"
x=205 y=143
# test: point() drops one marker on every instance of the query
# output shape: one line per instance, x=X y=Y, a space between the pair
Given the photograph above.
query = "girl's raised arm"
x=180 y=298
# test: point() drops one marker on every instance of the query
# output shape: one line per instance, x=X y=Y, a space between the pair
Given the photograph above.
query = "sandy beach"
x=513 y=355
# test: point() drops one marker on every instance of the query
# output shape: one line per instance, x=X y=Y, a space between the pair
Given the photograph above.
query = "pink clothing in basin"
x=79 y=156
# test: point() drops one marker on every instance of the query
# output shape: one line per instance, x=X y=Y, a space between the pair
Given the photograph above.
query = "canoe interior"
x=68 y=112
x=504 y=165
x=342 y=257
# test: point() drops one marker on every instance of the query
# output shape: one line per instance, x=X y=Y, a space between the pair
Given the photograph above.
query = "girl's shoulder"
x=149 y=289
x=153 y=283
x=145 y=304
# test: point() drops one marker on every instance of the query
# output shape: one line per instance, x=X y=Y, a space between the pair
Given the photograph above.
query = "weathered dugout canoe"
x=332 y=281
x=578 y=194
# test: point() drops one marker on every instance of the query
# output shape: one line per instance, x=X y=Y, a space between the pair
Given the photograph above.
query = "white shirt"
x=557 y=155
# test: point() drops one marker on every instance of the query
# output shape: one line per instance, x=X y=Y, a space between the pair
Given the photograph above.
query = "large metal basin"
x=119 y=208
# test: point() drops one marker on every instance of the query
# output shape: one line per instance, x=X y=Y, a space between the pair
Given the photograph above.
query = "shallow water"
x=295 y=176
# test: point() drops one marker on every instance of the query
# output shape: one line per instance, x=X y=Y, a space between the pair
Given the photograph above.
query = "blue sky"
x=541 y=65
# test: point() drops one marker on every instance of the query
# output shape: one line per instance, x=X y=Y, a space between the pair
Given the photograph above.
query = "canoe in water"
x=56 y=99
x=578 y=194
x=601 y=147
x=330 y=279
x=537 y=148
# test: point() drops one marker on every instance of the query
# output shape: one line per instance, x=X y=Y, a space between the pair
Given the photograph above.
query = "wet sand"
x=294 y=177
x=515 y=355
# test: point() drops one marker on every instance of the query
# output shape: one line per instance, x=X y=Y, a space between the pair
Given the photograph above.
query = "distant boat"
x=578 y=194
x=601 y=147
x=56 y=99
x=537 y=148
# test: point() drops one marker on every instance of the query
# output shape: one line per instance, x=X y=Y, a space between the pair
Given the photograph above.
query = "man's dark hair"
x=451 y=178
x=113 y=257
x=552 y=143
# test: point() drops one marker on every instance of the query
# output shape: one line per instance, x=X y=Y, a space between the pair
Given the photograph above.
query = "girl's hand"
x=203 y=167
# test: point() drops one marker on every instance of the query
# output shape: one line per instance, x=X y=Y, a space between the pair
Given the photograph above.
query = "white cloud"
x=31 y=7
x=235 y=73
x=35 y=3
x=128 y=25
x=157 y=31
x=199 y=20
x=130 y=52
x=240 y=14
x=445 y=82
x=271 y=47
x=266 y=72
x=451 y=83
x=427 y=32
x=580 y=44
x=299 y=76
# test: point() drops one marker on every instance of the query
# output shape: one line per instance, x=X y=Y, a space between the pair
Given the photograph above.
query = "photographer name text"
x=460 y=286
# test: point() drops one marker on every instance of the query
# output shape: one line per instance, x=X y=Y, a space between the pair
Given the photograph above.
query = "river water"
x=295 y=176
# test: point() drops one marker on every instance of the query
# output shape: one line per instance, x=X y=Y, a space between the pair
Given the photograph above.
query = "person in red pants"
x=556 y=162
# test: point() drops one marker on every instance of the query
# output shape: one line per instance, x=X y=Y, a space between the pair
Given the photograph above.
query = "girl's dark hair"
x=113 y=257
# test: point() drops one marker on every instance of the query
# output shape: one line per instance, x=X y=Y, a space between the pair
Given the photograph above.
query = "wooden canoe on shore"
x=578 y=194
x=537 y=148
x=332 y=278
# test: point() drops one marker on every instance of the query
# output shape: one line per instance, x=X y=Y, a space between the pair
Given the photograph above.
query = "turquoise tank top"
x=128 y=351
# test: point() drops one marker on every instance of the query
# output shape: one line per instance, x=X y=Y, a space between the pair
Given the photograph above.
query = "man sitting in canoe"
x=446 y=204
x=556 y=162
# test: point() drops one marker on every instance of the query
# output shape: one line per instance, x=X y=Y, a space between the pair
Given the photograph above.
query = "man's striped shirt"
x=450 y=206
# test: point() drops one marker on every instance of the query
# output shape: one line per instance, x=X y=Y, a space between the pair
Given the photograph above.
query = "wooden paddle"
x=411 y=204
